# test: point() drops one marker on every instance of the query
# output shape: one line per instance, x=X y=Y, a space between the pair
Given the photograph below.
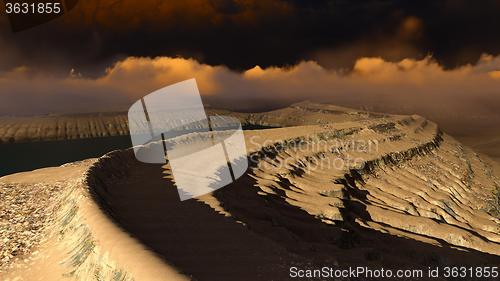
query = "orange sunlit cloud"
x=407 y=86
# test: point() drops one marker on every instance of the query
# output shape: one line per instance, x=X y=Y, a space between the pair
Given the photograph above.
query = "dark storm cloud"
x=243 y=33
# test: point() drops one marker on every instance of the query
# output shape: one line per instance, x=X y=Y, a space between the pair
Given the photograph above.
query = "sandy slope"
x=77 y=240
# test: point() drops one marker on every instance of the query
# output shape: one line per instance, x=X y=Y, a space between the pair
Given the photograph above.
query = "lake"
x=20 y=157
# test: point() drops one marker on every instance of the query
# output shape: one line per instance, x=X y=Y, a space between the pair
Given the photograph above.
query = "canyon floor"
x=326 y=185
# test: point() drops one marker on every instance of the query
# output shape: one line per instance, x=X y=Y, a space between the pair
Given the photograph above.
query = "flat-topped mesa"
x=48 y=128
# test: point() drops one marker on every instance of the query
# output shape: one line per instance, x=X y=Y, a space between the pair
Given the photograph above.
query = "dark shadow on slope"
x=208 y=246
x=190 y=235
x=346 y=243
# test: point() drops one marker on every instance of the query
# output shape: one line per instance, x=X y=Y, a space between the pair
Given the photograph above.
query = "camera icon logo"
x=170 y=125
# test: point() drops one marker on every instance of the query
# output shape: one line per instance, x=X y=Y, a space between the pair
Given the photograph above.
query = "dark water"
x=20 y=157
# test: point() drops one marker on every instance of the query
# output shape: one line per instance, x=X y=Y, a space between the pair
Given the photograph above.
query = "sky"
x=437 y=58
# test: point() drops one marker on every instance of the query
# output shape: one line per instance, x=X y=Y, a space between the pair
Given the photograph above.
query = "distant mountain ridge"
x=83 y=126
